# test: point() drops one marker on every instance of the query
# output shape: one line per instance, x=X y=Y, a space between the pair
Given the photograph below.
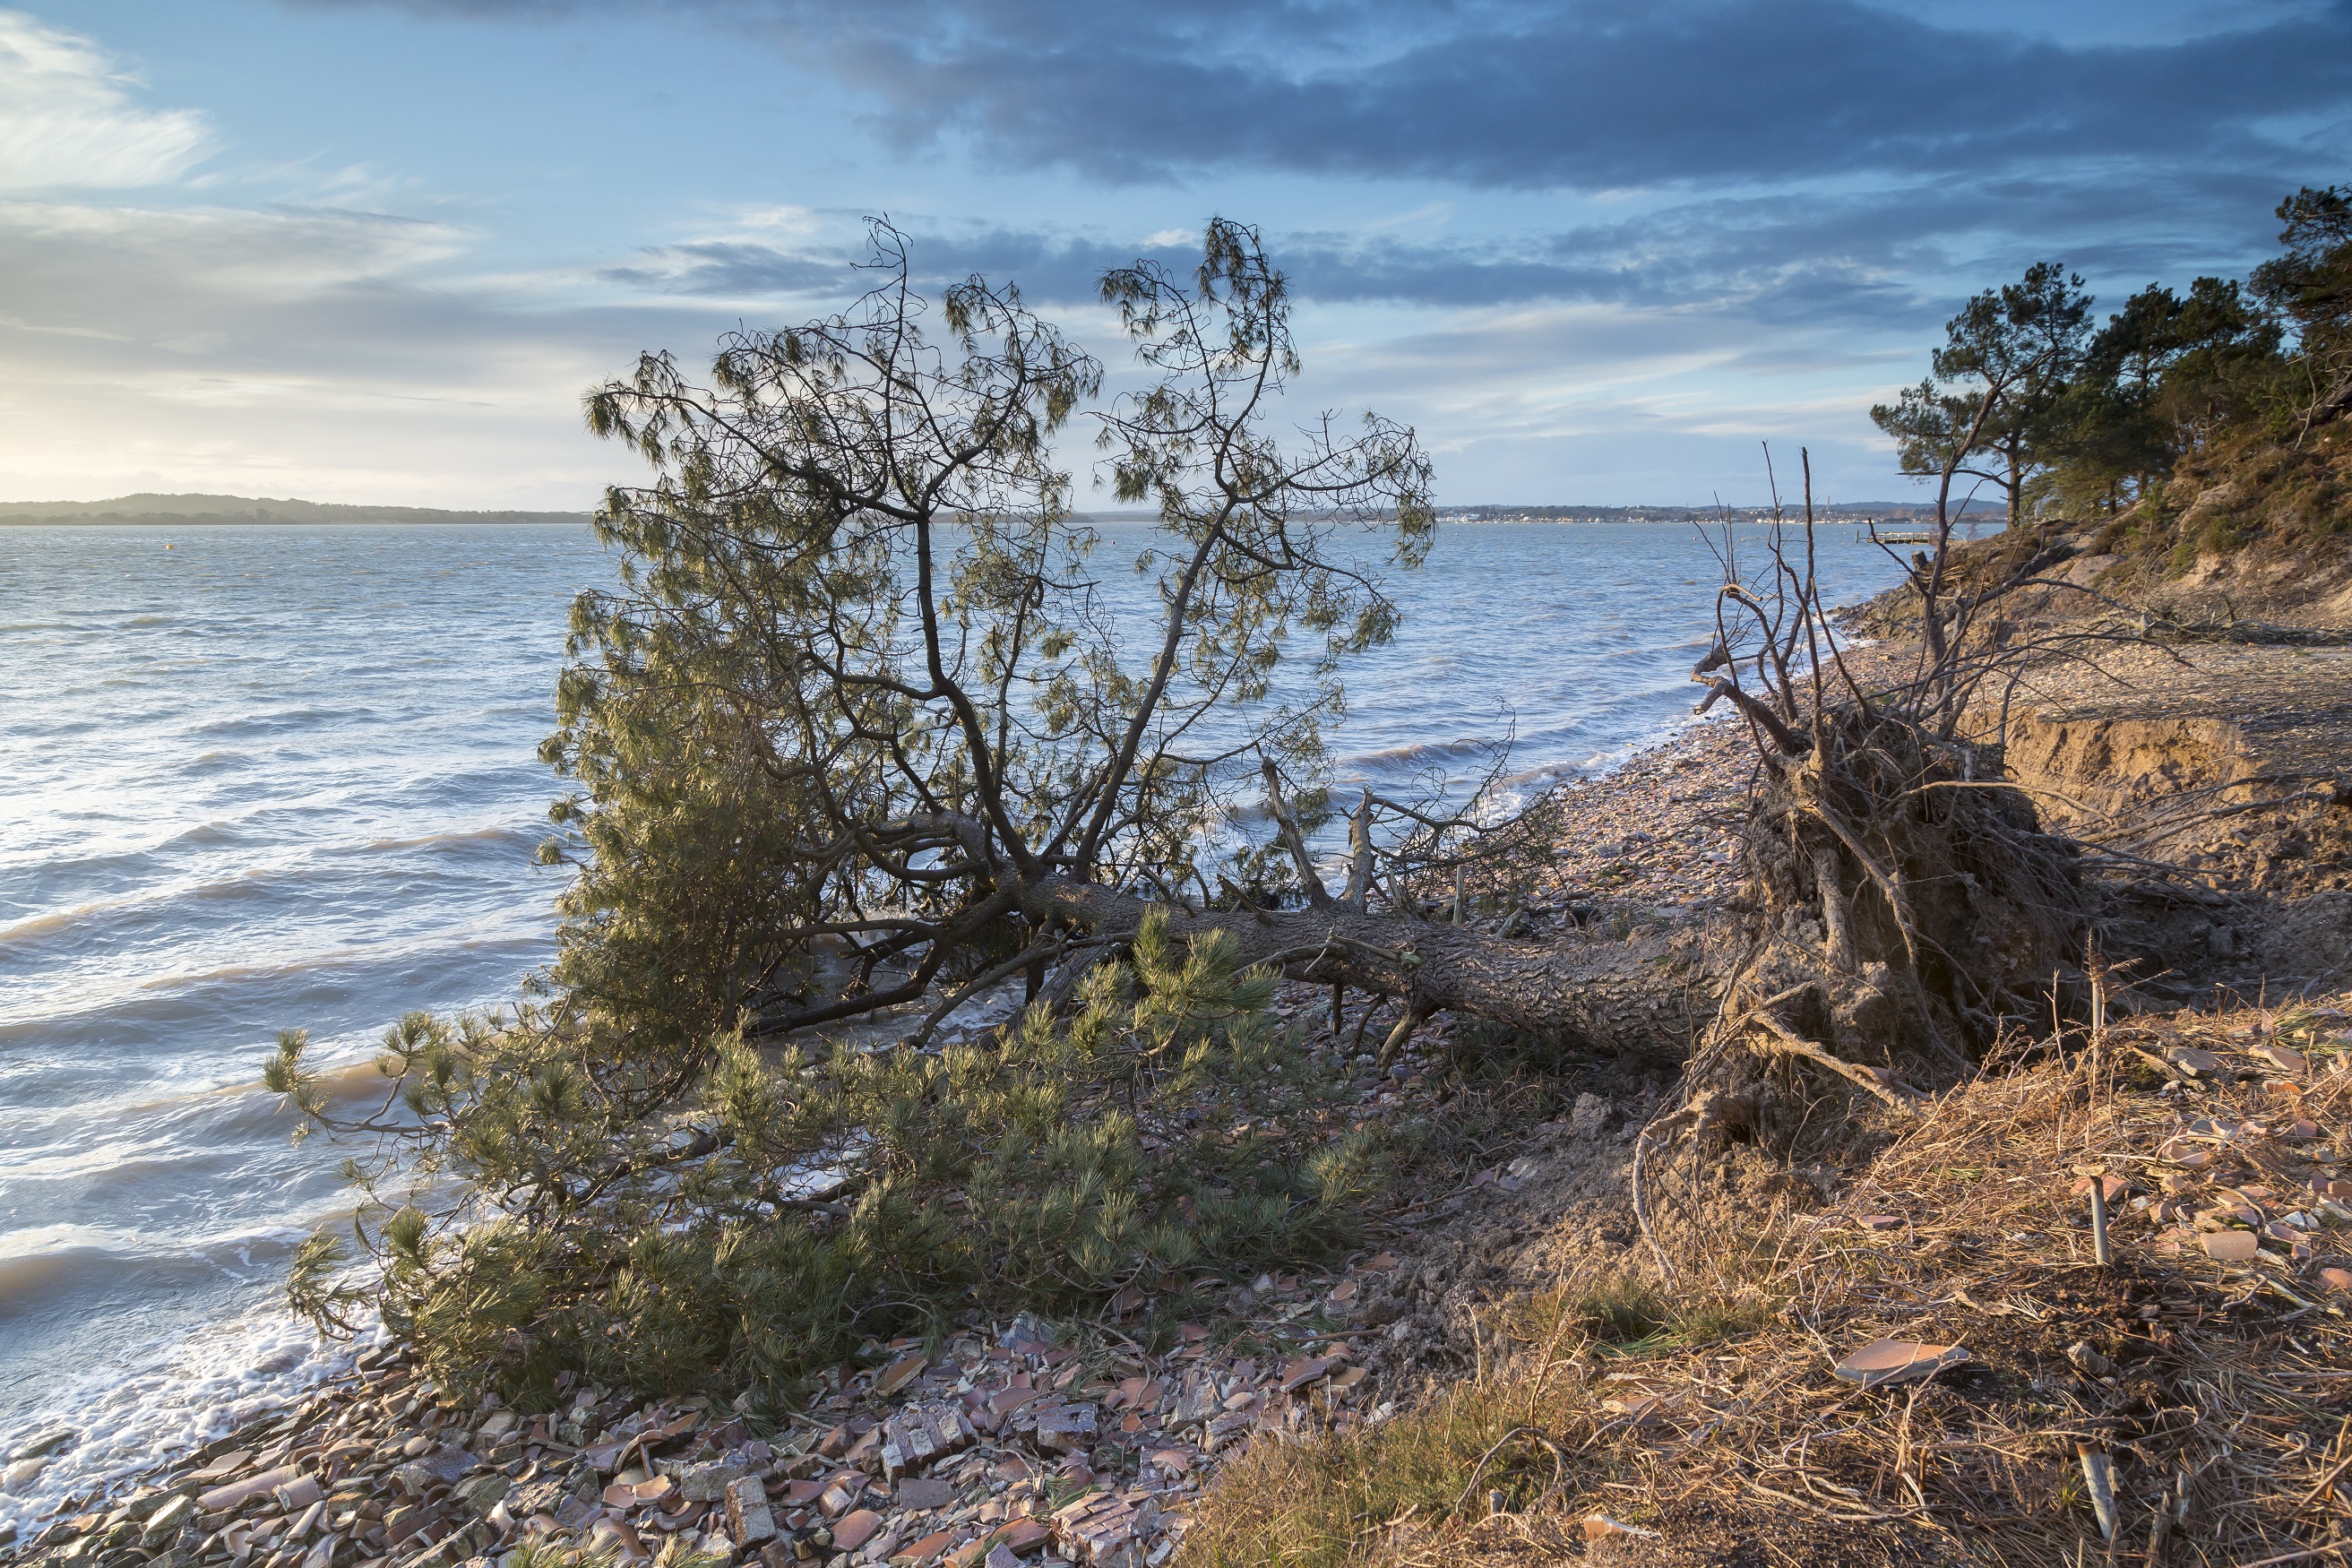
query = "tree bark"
x=1647 y=994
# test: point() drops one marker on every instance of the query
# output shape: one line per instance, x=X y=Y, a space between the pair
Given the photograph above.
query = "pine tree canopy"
x=860 y=692
x=857 y=711
x=2027 y=397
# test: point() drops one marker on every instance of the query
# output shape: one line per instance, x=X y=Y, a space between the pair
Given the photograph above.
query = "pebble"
x=1001 y=1445
x=1650 y=841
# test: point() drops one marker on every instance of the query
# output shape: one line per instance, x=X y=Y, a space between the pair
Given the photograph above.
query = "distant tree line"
x=2030 y=397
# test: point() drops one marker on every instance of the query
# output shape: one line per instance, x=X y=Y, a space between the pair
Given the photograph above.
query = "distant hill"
x=182 y=510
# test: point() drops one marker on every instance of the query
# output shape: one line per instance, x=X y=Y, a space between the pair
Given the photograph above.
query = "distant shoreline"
x=583 y=520
x=197 y=510
x=173 y=520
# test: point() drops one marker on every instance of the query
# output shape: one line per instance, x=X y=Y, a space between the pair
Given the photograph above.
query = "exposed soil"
x=2233 y=761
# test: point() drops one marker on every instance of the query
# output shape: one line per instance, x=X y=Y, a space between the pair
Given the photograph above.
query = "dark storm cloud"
x=1598 y=96
x=1509 y=95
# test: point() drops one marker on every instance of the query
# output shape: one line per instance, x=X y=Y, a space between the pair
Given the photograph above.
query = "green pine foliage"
x=851 y=724
x=2032 y=401
x=794 y=1206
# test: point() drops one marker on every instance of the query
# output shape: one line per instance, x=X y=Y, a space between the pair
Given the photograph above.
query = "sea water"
x=256 y=778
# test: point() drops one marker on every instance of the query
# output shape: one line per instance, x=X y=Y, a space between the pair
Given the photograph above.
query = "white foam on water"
x=128 y=1418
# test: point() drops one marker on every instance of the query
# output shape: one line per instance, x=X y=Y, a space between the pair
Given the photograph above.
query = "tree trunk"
x=1647 y=994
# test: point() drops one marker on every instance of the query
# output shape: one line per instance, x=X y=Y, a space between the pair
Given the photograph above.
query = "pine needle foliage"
x=848 y=739
x=861 y=703
x=794 y=1205
x=2060 y=416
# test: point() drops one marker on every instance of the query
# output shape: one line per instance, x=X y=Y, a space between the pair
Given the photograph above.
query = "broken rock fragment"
x=2194 y=1063
x=1301 y=1373
x=1199 y=1401
x=916 y=1436
x=2231 y=1245
x=237 y=1494
x=898 y=1373
x=1224 y=1429
x=922 y=1554
x=708 y=1482
x=165 y=1521
x=1589 y=1117
x=749 y=1521
x=438 y=1467
x=2281 y=1058
x=923 y=1494
x=1022 y=1537
x=614 y=1535
x=1108 y=1531
x=1898 y=1361
x=1066 y=1429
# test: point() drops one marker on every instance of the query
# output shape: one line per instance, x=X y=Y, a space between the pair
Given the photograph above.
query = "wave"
x=453 y=839
x=1415 y=755
x=149 y=902
x=132 y=1408
x=321 y=719
x=212 y=832
x=320 y=867
x=59 y=1162
x=184 y=981
x=46 y=1269
x=36 y=1278
x=186 y=1013
x=1531 y=783
x=60 y=919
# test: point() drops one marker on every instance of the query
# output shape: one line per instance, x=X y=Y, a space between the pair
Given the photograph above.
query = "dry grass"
x=2221 y=1391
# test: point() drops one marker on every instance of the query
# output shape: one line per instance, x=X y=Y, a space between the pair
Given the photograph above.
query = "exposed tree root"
x=1904 y=904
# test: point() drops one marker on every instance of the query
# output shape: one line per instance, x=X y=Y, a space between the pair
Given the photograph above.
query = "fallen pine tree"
x=859 y=737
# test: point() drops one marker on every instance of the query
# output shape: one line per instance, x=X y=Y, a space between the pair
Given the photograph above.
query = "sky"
x=375 y=250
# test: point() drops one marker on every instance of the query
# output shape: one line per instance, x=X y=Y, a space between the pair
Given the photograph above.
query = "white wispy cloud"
x=98 y=257
x=157 y=331
x=323 y=352
x=66 y=119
